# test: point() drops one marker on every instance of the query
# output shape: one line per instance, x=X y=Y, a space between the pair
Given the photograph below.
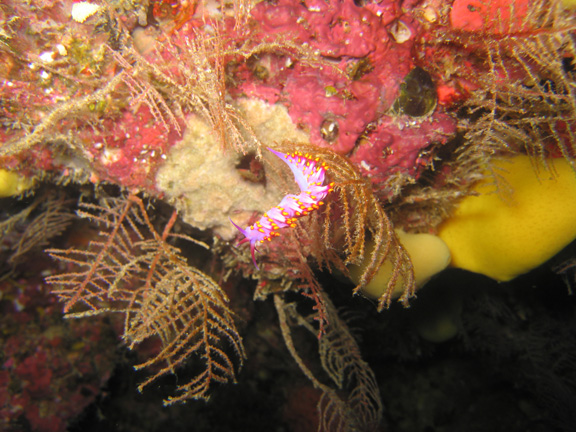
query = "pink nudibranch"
x=310 y=174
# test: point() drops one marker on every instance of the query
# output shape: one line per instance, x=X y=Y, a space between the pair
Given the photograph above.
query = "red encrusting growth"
x=310 y=175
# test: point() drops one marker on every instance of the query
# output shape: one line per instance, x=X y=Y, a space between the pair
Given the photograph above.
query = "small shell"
x=400 y=31
x=418 y=96
x=84 y=10
x=430 y=14
x=329 y=130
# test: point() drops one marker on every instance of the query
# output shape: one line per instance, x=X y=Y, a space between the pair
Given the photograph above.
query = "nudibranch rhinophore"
x=310 y=174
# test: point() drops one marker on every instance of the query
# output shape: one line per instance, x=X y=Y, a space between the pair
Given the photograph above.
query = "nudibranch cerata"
x=310 y=174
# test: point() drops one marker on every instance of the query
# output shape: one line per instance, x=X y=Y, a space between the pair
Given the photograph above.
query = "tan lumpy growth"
x=202 y=180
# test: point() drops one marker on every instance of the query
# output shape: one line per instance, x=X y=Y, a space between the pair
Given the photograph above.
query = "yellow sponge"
x=504 y=235
x=12 y=184
x=428 y=253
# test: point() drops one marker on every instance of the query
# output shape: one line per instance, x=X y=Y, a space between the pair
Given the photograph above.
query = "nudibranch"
x=310 y=174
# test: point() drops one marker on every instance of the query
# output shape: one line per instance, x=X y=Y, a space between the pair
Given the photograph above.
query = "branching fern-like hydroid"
x=524 y=71
x=34 y=226
x=331 y=238
x=515 y=67
x=336 y=236
x=193 y=78
x=183 y=74
x=351 y=399
x=132 y=269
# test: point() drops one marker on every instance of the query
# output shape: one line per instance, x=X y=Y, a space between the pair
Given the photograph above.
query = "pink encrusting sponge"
x=310 y=175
